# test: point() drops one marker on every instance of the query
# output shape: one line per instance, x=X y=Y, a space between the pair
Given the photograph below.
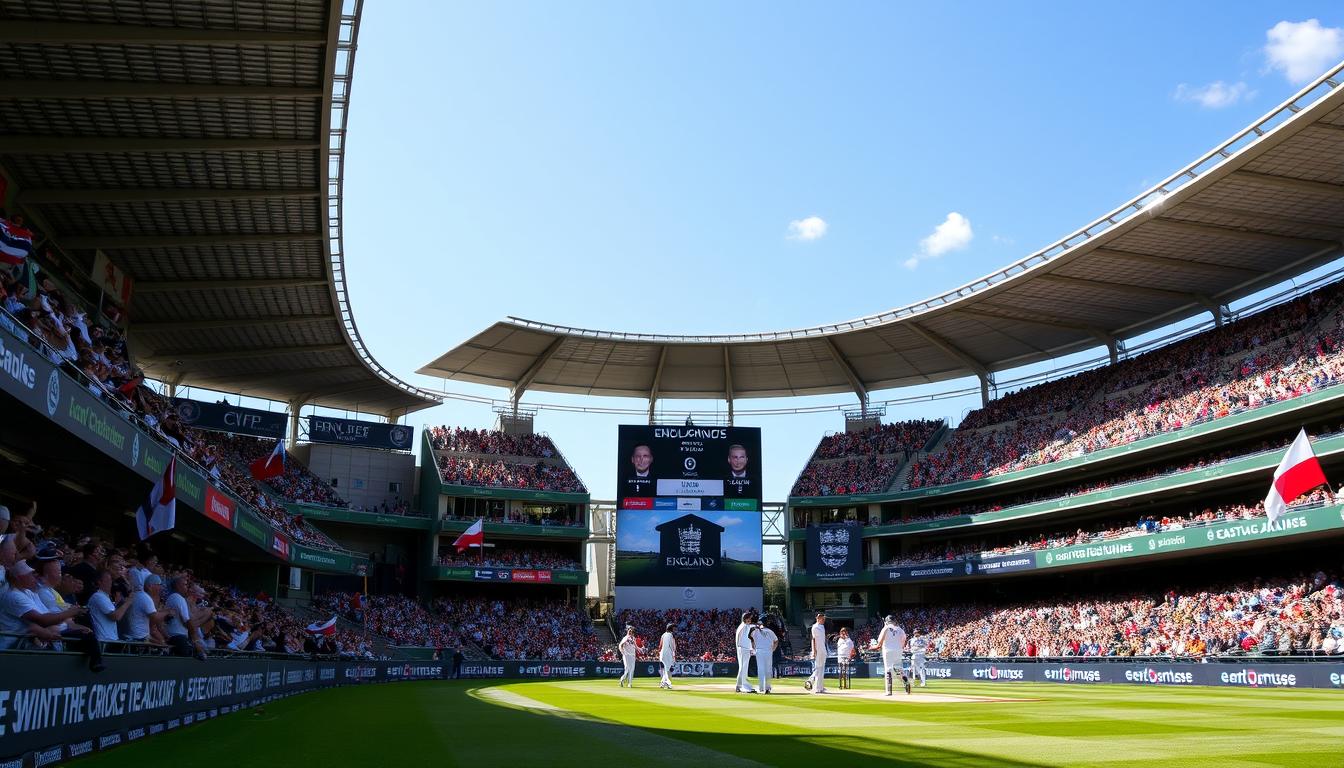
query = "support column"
x=294 y=407
x=986 y=382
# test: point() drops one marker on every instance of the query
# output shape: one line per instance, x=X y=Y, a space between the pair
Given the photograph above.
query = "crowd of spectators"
x=297 y=484
x=1296 y=615
x=1191 y=464
x=1095 y=533
x=491 y=441
x=1280 y=353
x=522 y=629
x=837 y=478
x=862 y=462
x=396 y=617
x=496 y=473
x=79 y=592
x=898 y=437
x=702 y=635
x=511 y=557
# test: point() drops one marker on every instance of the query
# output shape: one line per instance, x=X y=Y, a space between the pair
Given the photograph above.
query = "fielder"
x=919 y=647
x=743 y=641
x=628 y=649
x=817 y=682
x=667 y=654
x=892 y=642
x=765 y=641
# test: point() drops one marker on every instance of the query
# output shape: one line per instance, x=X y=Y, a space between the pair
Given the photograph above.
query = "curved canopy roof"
x=199 y=146
x=1257 y=210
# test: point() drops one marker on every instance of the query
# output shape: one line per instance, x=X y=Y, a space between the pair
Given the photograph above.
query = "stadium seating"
x=1302 y=614
x=862 y=462
x=490 y=441
x=500 y=474
x=297 y=484
x=233 y=620
x=1095 y=532
x=521 y=628
x=1280 y=353
x=504 y=556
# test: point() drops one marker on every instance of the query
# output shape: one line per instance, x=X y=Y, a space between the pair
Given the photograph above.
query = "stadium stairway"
x=935 y=445
x=604 y=633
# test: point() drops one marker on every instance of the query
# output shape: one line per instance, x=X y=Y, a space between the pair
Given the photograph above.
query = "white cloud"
x=952 y=235
x=727 y=521
x=1302 y=50
x=811 y=228
x=1003 y=240
x=1215 y=95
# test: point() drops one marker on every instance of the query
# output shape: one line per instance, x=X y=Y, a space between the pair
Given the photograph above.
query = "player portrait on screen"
x=737 y=484
x=639 y=481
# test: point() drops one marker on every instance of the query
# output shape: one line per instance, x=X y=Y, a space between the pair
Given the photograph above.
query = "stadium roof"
x=1257 y=210
x=199 y=146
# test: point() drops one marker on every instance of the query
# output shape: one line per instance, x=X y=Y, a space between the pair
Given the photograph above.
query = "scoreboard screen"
x=689 y=468
x=688 y=520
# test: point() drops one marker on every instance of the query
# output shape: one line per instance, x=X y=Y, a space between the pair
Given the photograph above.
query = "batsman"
x=892 y=642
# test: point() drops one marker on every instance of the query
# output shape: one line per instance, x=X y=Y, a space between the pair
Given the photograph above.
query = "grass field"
x=595 y=723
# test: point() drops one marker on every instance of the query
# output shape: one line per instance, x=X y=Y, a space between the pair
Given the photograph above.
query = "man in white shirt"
x=844 y=653
x=628 y=649
x=742 y=639
x=919 y=648
x=144 y=611
x=765 y=642
x=817 y=682
x=667 y=656
x=103 y=614
x=21 y=613
x=892 y=642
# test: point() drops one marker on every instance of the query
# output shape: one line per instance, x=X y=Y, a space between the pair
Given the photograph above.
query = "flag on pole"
x=159 y=512
x=326 y=628
x=472 y=537
x=270 y=465
x=1298 y=473
x=16 y=243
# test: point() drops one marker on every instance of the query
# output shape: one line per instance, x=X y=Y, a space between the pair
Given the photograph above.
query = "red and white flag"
x=159 y=512
x=16 y=243
x=472 y=537
x=327 y=627
x=270 y=465
x=1298 y=473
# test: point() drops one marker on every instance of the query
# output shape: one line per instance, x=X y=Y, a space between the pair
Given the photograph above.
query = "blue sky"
x=741 y=538
x=591 y=163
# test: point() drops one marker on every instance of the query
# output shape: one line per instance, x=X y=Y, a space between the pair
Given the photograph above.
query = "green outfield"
x=595 y=723
x=646 y=571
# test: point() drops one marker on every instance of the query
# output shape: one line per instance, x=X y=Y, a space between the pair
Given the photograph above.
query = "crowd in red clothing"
x=1093 y=533
x=491 y=441
x=898 y=437
x=540 y=476
x=864 y=461
x=1301 y=614
x=298 y=483
x=702 y=635
x=1281 y=353
x=396 y=617
x=522 y=629
x=511 y=557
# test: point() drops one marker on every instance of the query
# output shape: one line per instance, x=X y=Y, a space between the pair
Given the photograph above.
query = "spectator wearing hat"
x=21 y=609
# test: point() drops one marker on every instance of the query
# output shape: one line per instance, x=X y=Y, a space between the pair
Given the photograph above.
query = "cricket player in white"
x=743 y=641
x=667 y=654
x=818 y=680
x=765 y=642
x=628 y=650
x=892 y=642
x=844 y=652
x=919 y=647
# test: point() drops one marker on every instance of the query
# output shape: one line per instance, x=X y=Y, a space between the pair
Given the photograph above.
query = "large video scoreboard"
x=689 y=468
x=688 y=525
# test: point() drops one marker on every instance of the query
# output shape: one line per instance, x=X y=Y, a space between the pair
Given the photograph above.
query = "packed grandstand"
x=1114 y=512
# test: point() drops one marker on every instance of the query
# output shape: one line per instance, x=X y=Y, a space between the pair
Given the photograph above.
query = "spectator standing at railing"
x=144 y=614
x=104 y=614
